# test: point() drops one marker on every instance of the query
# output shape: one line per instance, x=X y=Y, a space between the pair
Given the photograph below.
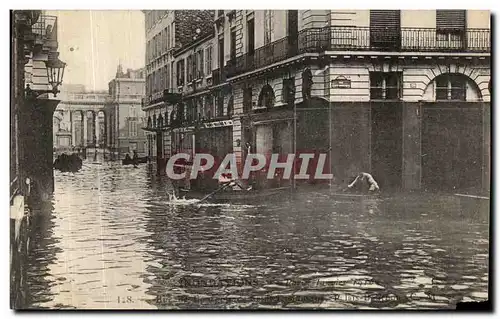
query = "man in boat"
x=365 y=183
x=127 y=158
x=135 y=159
x=232 y=184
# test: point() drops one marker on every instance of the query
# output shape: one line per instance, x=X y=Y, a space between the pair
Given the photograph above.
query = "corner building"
x=404 y=94
x=401 y=94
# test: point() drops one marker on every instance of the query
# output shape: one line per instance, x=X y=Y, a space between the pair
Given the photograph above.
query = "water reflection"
x=111 y=239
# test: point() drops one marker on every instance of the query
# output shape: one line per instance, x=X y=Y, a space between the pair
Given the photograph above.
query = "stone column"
x=238 y=143
x=71 y=129
x=85 y=129
x=97 y=131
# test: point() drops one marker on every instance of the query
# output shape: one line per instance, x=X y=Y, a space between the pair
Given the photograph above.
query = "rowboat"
x=234 y=195
x=140 y=160
x=65 y=163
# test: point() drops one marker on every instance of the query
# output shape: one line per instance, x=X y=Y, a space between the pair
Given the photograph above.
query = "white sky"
x=100 y=39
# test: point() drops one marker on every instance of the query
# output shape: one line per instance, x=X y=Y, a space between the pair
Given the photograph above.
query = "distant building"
x=124 y=116
x=104 y=119
x=78 y=121
x=167 y=32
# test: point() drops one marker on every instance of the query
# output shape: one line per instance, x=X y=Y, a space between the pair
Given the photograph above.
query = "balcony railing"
x=46 y=28
x=361 y=39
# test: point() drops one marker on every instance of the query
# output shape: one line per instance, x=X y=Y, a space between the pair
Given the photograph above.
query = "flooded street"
x=111 y=239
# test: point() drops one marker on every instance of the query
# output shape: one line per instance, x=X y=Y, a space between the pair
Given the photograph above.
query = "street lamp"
x=55 y=73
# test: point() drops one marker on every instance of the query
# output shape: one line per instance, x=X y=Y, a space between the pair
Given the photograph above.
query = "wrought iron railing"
x=46 y=27
x=347 y=38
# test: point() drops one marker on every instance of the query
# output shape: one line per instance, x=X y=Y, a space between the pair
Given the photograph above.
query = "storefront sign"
x=218 y=124
x=184 y=129
x=341 y=82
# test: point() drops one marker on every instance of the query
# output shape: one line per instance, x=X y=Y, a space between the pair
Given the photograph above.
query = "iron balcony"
x=314 y=40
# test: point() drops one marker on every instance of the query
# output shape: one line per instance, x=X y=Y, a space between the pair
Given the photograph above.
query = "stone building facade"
x=34 y=45
x=401 y=94
x=123 y=113
x=110 y=120
x=167 y=32
x=78 y=121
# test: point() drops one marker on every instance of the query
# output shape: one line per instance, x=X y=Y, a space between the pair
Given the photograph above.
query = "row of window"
x=208 y=107
x=388 y=86
x=152 y=16
x=160 y=43
x=384 y=85
x=194 y=67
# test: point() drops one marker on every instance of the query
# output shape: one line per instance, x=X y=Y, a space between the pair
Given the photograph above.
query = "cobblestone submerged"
x=111 y=239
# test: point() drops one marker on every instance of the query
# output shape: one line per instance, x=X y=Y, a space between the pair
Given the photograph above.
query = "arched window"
x=154 y=120
x=166 y=118
x=266 y=96
x=149 y=121
x=455 y=86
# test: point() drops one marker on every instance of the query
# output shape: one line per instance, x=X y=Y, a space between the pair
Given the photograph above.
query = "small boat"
x=140 y=160
x=68 y=163
x=234 y=195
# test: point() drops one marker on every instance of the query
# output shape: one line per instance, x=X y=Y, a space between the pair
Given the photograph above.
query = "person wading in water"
x=364 y=183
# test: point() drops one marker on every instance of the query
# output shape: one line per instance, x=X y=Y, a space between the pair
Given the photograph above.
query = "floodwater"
x=110 y=239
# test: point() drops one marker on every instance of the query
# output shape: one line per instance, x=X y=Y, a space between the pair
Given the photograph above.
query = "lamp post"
x=55 y=73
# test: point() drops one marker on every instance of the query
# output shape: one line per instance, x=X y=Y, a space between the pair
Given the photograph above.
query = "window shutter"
x=386 y=20
x=385 y=29
x=450 y=19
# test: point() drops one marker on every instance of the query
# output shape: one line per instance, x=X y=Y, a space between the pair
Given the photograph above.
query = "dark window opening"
x=385 y=85
x=189 y=63
x=307 y=82
x=289 y=91
x=293 y=32
x=230 y=106
x=208 y=107
x=221 y=53
x=385 y=29
x=180 y=113
x=247 y=99
x=266 y=97
x=450 y=28
x=180 y=73
x=220 y=104
x=251 y=36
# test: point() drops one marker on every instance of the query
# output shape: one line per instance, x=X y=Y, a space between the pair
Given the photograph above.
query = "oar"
x=217 y=190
